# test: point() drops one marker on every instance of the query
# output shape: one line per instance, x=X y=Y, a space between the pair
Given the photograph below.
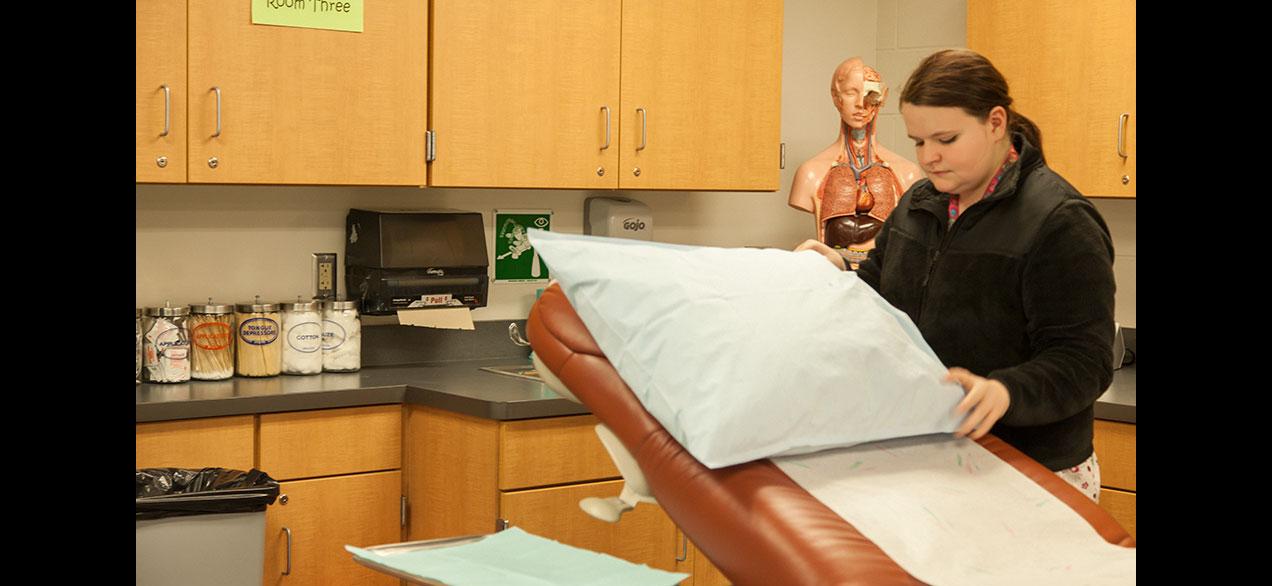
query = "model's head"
x=858 y=93
x=958 y=78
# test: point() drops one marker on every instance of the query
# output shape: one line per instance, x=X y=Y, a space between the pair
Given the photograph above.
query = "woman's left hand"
x=985 y=398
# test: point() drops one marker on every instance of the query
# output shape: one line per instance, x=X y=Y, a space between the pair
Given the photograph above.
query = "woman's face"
x=957 y=152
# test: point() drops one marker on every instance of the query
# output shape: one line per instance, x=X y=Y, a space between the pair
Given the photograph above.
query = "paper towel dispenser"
x=410 y=259
x=617 y=217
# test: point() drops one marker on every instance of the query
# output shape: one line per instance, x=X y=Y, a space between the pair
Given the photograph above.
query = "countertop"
x=457 y=386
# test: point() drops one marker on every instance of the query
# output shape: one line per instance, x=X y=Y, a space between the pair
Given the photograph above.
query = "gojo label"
x=633 y=224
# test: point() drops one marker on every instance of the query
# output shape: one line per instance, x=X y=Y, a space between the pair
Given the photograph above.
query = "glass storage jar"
x=341 y=336
x=302 y=329
x=166 y=344
x=138 y=345
x=258 y=339
x=212 y=340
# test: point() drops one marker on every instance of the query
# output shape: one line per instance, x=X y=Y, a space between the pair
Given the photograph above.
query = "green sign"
x=515 y=260
x=336 y=15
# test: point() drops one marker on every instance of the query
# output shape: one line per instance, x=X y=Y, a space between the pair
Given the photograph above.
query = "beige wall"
x=234 y=242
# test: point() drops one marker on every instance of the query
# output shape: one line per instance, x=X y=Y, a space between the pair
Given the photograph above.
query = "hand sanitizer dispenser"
x=617 y=217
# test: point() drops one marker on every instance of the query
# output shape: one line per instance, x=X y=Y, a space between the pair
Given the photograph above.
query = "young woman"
x=1006 y=269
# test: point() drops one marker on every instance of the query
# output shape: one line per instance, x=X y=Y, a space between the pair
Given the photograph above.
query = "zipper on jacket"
x=945 y=241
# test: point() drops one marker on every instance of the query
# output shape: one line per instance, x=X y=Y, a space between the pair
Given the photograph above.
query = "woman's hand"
x=834 y=257
x=986 y=399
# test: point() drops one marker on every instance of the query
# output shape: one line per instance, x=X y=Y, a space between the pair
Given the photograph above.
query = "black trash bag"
x=176 y=492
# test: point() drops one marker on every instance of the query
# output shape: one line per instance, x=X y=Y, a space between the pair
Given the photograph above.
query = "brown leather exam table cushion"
x=751 y=520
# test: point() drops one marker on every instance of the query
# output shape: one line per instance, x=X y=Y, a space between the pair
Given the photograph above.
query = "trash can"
x=206 y=526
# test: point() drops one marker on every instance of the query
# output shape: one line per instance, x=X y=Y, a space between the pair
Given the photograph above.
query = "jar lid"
x=167 y=310
x=302 y=305
x=210 y=308
x=341 y=304
x=256 y=306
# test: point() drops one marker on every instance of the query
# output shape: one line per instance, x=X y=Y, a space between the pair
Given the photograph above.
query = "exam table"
x=751 y=520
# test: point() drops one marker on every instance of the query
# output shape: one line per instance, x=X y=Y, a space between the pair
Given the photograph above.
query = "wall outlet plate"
x=325 y=275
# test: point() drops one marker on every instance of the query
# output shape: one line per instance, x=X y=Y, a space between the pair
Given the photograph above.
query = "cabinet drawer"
x=1115 y=447
x=322 y=516
x=217 y=442
x=306 y=444
x=1121 y=505
x=644 y=535
x=557 y=450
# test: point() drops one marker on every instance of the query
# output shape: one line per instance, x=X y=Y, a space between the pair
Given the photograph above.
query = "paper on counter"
x=949 y=512
x=513 y=557
x=450 y=318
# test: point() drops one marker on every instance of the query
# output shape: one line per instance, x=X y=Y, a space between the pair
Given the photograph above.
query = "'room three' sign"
x=338 y=15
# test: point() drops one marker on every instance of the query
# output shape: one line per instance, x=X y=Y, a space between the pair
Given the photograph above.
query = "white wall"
x=234 y=242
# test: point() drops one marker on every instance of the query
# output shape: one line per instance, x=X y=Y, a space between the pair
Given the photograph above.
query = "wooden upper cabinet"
x=307 y=106
x=1071 y=68
x=161 y=91
x=706 y=79
x=581 y=93
x=521 y=92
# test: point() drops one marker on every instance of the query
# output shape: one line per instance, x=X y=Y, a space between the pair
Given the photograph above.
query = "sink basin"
x=525 y=371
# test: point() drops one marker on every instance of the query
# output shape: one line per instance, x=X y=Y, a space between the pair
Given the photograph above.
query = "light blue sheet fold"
x=513 y=557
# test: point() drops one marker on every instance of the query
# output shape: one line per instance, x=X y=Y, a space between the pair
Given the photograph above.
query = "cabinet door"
x=161 y=114
x=308 y=106
x=701 y=94
x=1071 y=68
x=644 y=535
x=521 y=92
x=323 y=516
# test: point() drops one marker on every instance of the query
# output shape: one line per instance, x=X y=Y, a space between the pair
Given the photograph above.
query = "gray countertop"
x=455 y=386
x=1118 y=403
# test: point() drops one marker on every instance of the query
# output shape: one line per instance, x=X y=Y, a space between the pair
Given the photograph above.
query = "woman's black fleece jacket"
x=1019 y=289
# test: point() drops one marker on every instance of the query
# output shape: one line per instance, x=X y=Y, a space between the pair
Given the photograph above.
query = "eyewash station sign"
x=516 y=261
x=336 y=15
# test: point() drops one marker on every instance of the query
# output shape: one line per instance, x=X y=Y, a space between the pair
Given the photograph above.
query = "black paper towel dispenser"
x=411 y=259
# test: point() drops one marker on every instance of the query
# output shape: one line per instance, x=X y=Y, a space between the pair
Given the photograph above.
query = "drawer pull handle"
x=287 y=572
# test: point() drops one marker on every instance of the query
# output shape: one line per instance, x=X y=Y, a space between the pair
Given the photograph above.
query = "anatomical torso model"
x=852 y=186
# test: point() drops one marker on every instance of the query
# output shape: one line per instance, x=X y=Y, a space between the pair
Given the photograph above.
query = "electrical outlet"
x=324 y=275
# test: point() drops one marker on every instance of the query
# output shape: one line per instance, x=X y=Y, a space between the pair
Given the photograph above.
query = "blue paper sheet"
x=513 y=557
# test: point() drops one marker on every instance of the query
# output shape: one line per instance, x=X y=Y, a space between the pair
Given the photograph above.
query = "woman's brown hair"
x=965 y=79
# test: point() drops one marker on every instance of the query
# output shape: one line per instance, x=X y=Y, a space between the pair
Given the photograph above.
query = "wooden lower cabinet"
x=1115 y=448
x=325 y=514
x=704 y=573
x=215 y=442
x=644 y=535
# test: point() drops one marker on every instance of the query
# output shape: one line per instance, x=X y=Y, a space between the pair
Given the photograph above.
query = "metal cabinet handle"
x=607 y=126
x=218 y=111
x=167 y=109
x=644 y=119
x=1121 y=134
x=287 y=572
x=684 y=548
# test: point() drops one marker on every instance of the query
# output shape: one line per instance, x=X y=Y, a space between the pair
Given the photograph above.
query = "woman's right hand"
x=816 y=245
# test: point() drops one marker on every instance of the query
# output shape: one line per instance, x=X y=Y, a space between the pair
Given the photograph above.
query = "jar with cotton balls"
x=341 y=336
x=302 y=330
x=259 y=343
